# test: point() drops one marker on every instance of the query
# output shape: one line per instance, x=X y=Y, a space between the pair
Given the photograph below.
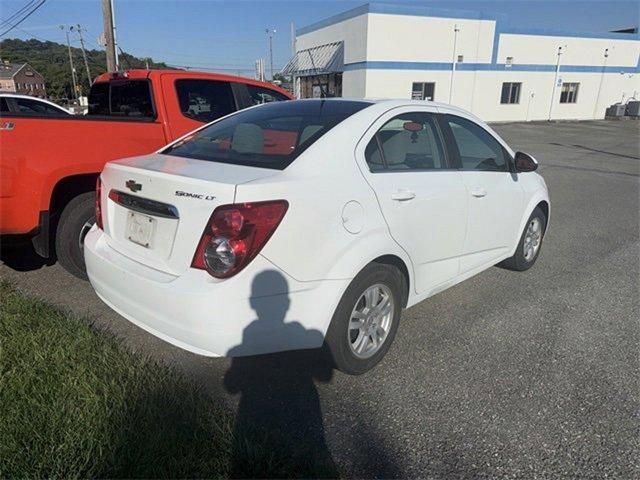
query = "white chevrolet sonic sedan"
x=296 y=224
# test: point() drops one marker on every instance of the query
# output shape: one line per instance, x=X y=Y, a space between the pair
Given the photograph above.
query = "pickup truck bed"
x=49 y=165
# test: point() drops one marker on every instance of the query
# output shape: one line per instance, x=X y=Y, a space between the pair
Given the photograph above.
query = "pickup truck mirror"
x=525 y=162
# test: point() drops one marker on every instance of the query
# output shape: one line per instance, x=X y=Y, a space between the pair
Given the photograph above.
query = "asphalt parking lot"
x=508 y=374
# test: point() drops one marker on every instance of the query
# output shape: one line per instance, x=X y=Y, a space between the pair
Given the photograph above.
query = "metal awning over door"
x=320 y=60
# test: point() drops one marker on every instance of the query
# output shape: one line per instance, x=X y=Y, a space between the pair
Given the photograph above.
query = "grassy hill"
x=51 y=59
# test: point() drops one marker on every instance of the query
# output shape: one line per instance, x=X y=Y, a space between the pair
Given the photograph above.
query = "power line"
x=15 y=14
x=24 y=17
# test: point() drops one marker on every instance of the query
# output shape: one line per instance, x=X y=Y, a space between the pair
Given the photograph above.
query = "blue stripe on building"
x=447 y=66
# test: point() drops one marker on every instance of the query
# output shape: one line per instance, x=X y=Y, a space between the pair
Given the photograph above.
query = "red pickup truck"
x=49 y=164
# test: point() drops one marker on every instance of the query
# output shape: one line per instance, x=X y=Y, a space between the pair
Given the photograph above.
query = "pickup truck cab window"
x=477 y=149
x=407 y=142
x=128 y=98
x=205 y=100
x=261 y=95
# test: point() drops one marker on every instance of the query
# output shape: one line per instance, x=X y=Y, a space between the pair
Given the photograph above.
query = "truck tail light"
x=98 y=206
x=235 y=234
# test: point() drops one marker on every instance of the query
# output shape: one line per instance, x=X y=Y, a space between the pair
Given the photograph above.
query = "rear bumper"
x=260 y=310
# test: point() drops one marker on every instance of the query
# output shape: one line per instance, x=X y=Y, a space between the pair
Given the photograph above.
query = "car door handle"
x=403 y=196
x=478 y=192
x=8 y=126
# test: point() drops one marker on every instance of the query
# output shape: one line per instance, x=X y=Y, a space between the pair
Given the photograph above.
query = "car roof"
x=384 y=104
x=29 y=97
x=20 y=95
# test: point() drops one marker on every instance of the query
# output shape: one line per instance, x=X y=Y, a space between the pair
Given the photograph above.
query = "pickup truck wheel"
x=366 y=319
x=76 y=220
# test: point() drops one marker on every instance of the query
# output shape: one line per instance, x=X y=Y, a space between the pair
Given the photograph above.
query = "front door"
x=495 y=196
x=423 y=201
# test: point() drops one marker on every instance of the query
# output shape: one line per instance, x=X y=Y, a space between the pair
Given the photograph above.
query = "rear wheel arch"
x=399 y=263
x=67 y=188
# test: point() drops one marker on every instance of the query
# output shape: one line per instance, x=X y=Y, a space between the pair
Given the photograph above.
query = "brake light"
x=120 y=75
x=98 y=206
x=235 y=234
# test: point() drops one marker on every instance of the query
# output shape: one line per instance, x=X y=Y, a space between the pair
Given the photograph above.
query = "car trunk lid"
x=156 y=207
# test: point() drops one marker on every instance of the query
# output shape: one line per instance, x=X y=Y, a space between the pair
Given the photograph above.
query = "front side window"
x=205 y=100
x=260 y=95
x=269 y=136
x=569 y=93
x=121 y=98
x=510 y=92
x=423 y=91
x=4 y=106
x=407 y=142
x=478 y=149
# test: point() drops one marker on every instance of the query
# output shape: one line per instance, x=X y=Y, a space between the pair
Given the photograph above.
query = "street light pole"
x=555 y=81
x=453 y=63
x=270 y=33
x=604 y=67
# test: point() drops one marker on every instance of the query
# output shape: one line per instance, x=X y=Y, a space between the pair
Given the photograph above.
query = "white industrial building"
x=470 y=59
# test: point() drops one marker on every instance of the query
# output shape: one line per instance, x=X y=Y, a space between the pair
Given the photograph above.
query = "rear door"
x=494 y=193
x=423 y=200
x=191 y=102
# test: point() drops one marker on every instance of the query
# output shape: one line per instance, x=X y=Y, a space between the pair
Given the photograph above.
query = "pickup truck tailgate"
x=156 y=207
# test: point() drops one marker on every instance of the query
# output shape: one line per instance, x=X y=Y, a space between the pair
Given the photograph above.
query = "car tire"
x=342 y=339
x=524 y=258
x=75 y=221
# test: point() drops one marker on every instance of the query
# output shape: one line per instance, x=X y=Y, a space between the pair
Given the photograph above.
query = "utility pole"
x=555 y=81
x=293 y=39
x=84 y=53
x=109 y=35
x=454 y=59
x=270 y=33
x=73 y=69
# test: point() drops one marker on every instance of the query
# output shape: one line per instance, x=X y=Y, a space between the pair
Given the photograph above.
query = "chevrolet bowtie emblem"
x=133 y=186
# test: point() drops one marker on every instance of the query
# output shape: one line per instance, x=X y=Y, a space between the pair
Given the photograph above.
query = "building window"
x=569 y=93
x=510 y=92
x=509 y=61
x=460 y=58
x=423 y=91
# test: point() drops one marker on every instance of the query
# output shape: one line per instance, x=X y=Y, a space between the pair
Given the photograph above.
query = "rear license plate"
x=140 y=228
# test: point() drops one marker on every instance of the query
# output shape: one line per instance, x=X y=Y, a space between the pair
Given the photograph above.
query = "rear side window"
x=128 y=98
x=269 y=136
x=407 y=142
x=205 y=100
x=261 y=95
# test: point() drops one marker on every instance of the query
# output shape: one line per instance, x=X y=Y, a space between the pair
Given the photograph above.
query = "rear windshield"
x=128 y=98
x=269 y=136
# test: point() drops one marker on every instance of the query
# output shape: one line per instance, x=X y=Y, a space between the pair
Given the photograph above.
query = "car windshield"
x=270 y=136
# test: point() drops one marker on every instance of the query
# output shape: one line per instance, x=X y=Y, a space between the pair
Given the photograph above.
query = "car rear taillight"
x=98 y=206
x=235 y=234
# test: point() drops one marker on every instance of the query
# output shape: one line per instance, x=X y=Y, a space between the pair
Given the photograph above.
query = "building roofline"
x=502 y=21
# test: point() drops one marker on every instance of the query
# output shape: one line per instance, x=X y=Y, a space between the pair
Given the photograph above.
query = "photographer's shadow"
x=279 y=409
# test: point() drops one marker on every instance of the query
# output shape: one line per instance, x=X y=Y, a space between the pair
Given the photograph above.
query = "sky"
x=230 y=35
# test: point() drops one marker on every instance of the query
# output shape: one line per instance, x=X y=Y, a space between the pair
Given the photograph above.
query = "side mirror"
x=525 y=162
